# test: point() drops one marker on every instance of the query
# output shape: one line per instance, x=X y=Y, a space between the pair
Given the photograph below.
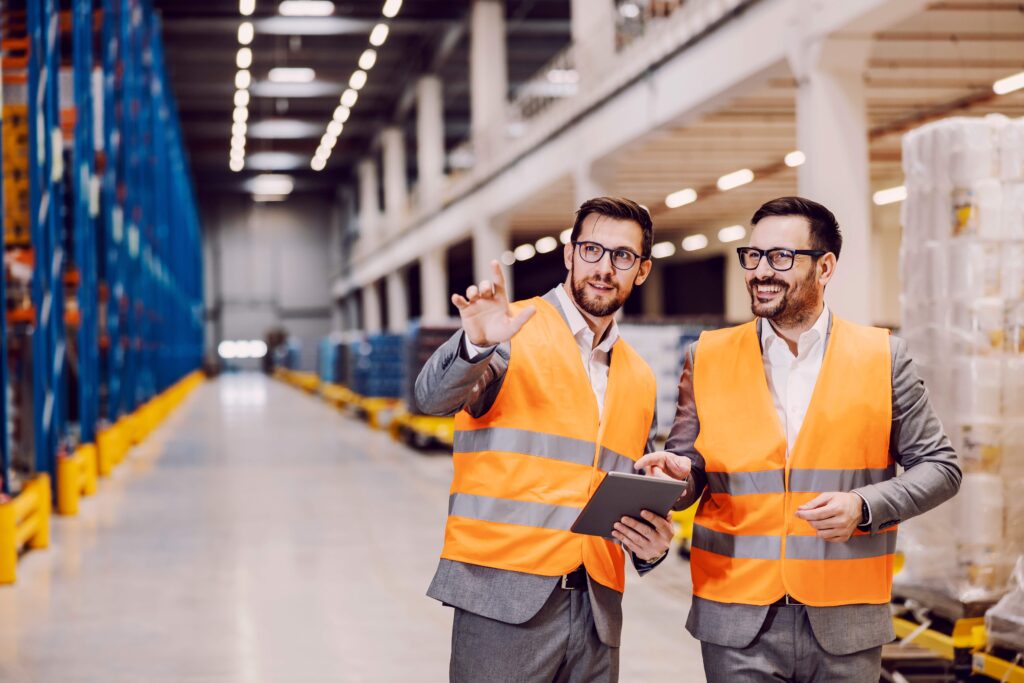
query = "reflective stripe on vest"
x=748 y=544
x=565 y=449
x=525 y=469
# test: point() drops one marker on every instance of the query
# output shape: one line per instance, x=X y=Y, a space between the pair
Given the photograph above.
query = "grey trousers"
x=786 y=650
x=558 y=644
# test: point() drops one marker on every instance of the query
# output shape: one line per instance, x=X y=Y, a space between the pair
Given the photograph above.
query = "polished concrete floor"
x=260 y=536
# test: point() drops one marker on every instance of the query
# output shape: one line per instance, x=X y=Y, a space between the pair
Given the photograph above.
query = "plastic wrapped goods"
x=963 y=316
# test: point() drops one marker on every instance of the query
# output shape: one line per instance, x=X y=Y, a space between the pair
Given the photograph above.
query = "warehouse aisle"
x=259 y=536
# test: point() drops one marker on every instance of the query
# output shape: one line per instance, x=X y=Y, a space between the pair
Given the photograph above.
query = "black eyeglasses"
x=779 y=259
x=592 y=252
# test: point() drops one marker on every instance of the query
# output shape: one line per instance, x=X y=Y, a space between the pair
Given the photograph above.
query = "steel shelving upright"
x=45 y=206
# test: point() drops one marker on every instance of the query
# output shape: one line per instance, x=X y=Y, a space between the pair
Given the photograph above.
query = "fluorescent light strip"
x=735 y=179
x=243 y=79
x=546 y=245
x=681 y=198
x=379 y=34
x=1005 y=86
x=245 y=33
x=695 y=242
x=524 y=252
x=282 y=74
x=244 y=58
x=246 y=7
x=357 y=80
x=306 y=8
x=732 y=233
x=663 y=249
x=890 y=196
x=565 y=236
x=795 y=158
x=391 y=8
x=367 y=59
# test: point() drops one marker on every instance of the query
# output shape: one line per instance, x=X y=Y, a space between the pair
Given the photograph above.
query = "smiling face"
x=792 y=297
x=600 y=288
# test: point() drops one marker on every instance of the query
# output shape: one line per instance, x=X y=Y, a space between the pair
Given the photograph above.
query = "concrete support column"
x=369 y=203
x=490 y=241
x=396 y=190
x=434 y=292
x=831 y=117
x=371 y=309
x=429 y=141
x=350 y=313
x=398 y=302
x=737 y=299
x=593 y=37
x=488 y=75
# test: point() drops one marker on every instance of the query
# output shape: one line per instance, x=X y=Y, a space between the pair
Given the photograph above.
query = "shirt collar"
x=578 y=324
x=817 y=333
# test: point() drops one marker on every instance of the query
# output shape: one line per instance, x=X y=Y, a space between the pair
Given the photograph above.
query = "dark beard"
x=788 y=311
x=598 y=309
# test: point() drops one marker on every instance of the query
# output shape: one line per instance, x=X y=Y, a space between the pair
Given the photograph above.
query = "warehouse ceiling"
x=941 y=62
x=201 y=42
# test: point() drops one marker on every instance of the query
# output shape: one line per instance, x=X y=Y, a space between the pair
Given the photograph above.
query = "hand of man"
x=644 y=541
x=835 y=515
x=664 y=465
x=485 y=313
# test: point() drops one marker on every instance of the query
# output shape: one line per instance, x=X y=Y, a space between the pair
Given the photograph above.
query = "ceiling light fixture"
x=681 y=198
x=239 y=128
x=243 y=79
x=241 y=114
x=525 y=252
x=349 y=98
x=306 y=8
x=318 y=163
x=245 y=33
x=334 y=128
x=236 y=164
x=357 y=80
x=241 y=98
x=341 y=113
x=378 y=35
x=508 y=258
x=795 y=158
x=735 y=179
x=246 y=7
x=546 y=245
x=1009 y=84
x=732 y=233
x=285 y=74
x=663 y=249
x=367 y=59
x=244 y=58
x=695 y=242
x=890 y=196
x=391 y=8
x=272 y=183
x=565 y=236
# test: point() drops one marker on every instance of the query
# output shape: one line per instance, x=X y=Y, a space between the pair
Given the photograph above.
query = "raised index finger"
x=499 y=278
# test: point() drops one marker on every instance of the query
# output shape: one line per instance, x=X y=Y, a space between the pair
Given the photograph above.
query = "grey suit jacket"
x=447 y=384
x=931 y=476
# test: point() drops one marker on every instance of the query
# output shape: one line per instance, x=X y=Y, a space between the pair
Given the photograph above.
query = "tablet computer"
x=625 y=495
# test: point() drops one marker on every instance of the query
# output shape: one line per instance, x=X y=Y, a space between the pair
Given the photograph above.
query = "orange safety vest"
x=525 y=469
x=748 y=545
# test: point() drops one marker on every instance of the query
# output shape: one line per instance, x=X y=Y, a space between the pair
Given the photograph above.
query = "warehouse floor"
x=259 y=536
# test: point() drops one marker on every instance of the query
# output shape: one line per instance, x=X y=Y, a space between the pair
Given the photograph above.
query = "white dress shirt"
x=791 y=379
x=596 y=361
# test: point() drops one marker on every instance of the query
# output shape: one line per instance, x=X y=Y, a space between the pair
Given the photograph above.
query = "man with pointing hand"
x=791 y=426
x=533 y=387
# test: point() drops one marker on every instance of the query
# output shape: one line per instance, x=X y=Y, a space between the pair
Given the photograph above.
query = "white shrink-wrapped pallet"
x=962 y=261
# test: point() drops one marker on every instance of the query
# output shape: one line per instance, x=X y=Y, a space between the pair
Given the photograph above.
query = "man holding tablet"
x=534 y=386
x=791 y=426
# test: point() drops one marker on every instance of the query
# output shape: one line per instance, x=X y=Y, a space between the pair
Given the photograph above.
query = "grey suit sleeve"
x=641 y=566
x=684 y=433
x=449 y=381
x=918 y=443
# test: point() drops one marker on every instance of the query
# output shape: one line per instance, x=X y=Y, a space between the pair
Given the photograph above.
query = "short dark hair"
x=621 y=208
x=825 y=233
